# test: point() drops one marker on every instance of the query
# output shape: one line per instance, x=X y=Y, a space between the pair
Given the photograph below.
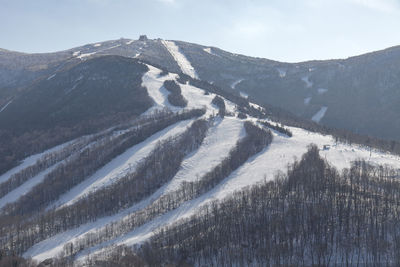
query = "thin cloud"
x=387 y=6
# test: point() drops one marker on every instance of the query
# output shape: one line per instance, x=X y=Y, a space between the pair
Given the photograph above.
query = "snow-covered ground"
x=121 y=165
x=282 y=72
x=263 y=166
x=31 y=160
x=220 y=139
x=25 y=187
x=322 y=91
x=85 y=55
x=180 y=58
x=319 y=115
x=154 y=84
x=308 y=83
x=235 y=83
x=244 y=95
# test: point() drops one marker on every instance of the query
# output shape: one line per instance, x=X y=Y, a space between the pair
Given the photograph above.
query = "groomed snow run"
x=154 y=84
x=180 y=58
x=25 y=187
x=319 y=115
x=31 y=160
x=263 y=166
x=121 y=165
x=220 y=139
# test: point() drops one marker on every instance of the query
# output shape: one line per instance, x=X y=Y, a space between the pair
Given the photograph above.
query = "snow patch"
x=322 y=91
x=282 y=72
x=76 y=53
x=51 y=77
x=130 y=42
x=209 y=50
x=85 y=55
x=235 y=83
x=180 y=58
x=319 y=115
x=244 y=95
x=305 y=79
x=307 y=100
x=6 y=105
x=97 y=45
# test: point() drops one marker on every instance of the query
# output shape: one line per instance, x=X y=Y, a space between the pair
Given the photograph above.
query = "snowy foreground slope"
x=221 y=137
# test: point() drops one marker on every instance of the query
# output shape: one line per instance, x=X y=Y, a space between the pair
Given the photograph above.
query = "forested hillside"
x=112 y=160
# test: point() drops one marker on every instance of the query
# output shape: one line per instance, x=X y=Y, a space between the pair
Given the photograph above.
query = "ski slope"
x=221 y=137
x=319 y=115
x=121 y=165
x=262 y=167
x=180 y=58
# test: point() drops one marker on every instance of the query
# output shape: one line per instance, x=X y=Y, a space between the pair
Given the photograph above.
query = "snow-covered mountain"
x=148 y=163
x=364 y=86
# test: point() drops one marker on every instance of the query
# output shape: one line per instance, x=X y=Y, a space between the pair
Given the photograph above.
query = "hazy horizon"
x=277 y=30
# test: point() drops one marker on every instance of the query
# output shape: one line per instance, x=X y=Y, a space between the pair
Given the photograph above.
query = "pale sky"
x=285 y=30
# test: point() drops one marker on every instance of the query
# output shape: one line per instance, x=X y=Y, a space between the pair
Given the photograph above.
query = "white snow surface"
x=195 y=96
x=121 y=165
x=220 y=138
x=97 y=45
x=235 y=83
x=319 y=115
x=282 y=72
x=305 y=79
x=85 y=55
x=262 y=167
x=6 y=105
x=244 y=95
x=307 y=100
x=322 y=91
x=208 y=50
x=25 y=187
x=180 y=58
x=130 y=42
x=154 y=84
x=51 y=76
x=31 y=160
